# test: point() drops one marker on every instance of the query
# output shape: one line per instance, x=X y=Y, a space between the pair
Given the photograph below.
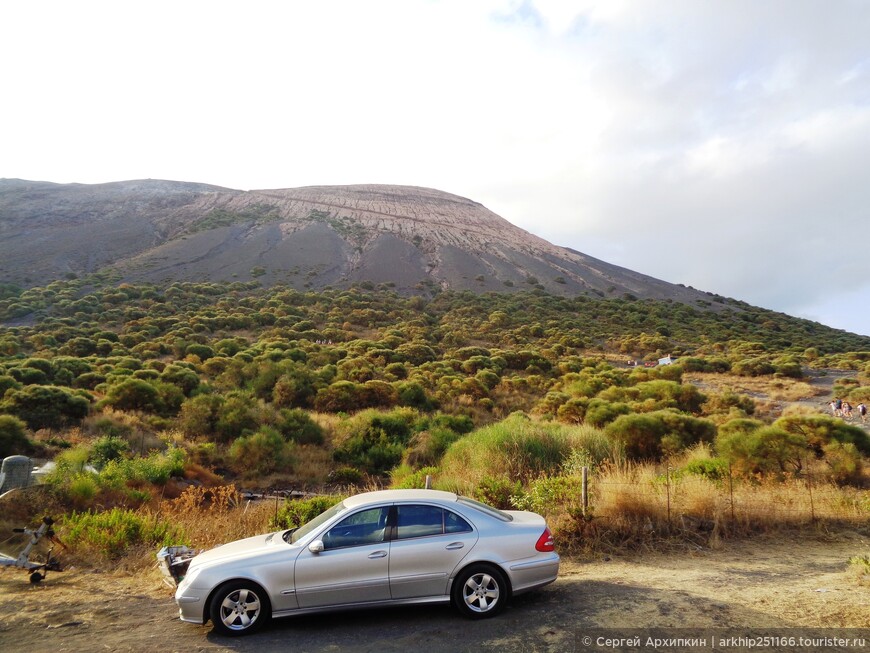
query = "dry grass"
x=213 y=516
x=770 y=387
x=641 y=504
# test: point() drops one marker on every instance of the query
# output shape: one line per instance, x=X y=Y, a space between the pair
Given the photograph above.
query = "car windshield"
x=489 y=510
x=297 y=534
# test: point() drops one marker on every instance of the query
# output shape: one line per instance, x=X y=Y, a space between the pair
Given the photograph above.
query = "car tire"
x=480 y=591
x=239 y=608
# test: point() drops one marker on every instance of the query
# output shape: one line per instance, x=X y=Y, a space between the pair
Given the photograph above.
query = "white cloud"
x=721 y=145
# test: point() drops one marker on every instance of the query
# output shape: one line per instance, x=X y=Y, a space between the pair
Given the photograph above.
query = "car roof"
x=398 y=495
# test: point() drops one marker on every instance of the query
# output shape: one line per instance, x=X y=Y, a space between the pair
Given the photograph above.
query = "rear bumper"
x=531 y=574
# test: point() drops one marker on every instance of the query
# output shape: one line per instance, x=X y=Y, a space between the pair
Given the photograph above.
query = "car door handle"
x=377 y=554
x=454 y=546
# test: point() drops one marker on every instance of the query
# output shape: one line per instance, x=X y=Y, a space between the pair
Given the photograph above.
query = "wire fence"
x=662 y=498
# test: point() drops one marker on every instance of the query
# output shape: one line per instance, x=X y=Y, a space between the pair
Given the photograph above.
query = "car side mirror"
x=316 y=546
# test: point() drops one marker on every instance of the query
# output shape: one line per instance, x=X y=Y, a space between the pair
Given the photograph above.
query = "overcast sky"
x=723 y=145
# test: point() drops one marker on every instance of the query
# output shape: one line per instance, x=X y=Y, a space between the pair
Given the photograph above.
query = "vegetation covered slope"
x=160 y=387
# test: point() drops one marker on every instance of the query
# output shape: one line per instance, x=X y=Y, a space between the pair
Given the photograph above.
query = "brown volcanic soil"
x=789 y=582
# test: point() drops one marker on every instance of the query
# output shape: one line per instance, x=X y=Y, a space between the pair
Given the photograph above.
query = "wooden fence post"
x=668 y=488
x=810 y=490
x=585 y=490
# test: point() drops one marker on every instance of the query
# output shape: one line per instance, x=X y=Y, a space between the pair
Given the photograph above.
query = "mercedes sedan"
x=393 y=547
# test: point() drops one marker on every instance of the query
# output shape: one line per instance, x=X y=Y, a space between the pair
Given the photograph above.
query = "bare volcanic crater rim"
x=411 y=238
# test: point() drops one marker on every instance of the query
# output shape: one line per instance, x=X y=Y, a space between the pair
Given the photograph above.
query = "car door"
x=353 y=566
x=429 y=542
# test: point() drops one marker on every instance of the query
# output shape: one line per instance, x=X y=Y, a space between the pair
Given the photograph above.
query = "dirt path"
x=750 y=584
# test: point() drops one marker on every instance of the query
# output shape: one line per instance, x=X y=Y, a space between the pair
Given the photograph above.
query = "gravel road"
x=754 y=584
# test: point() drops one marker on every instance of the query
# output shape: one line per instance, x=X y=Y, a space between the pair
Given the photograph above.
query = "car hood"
x=240 y=549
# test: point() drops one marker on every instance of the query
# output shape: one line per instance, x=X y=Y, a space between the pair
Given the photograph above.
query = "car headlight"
x=188 y=579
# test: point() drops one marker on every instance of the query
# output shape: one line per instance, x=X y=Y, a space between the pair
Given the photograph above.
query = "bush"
x=346 y=476
x=296 y=512
x=765 y=450
x=296 y=425
x=647 y=436
x=515 y=448
x=199 y=415
x=113 y=533
x=156 y=468
x=427 y=447
x=263 y=452
x=13 y=436
x=821 y=430
x=550 y=493
x=45 y=406
x=412 y=394
x=404 y=477
x=134 y=394
x=497 y=491
x=753 y=367
x=374 y=441
x=713 y=468
x=600 y=412
x=106 y=449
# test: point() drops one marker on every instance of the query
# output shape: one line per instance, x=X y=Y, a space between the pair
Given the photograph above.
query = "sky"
x=723 y=145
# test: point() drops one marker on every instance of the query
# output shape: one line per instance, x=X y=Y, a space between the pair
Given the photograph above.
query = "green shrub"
x=108 y=448
x=44 y=406
x=296 y=425
x=713 y=468
x=375 y=441
x=765 y=450
x=13 y=436
x=82 y=488
x=648 y=436
x=427 y=447
x=821 y=430
x=497 y=491
x=404 y=477
x=7 y=382
x=515 y=448
x=155 y=468
x=296 y=512
x=600 y=412
x=346 y=476
x=263 y=452
x=550 y=493
x=134 y=394
x=113 y=533
x=199 y=415
x=758 y=366
x=845 y=462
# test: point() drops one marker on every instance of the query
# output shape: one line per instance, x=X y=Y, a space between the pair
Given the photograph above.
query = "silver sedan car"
x=392 y=547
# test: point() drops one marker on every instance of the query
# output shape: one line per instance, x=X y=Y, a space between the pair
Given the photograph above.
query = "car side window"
x=364 y=527
x=453 y=523
x=421 y=521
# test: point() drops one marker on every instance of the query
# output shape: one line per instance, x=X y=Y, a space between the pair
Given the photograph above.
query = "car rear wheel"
x=480 y=591
x=239 y=608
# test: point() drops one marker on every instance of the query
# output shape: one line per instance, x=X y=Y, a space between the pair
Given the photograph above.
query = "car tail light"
x=545 y=542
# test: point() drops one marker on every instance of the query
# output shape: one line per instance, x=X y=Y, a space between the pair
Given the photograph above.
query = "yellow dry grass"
x=640 y=504
x=770 y=387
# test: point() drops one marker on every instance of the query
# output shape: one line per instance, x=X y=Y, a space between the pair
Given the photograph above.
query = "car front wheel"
x=480 y=591
x=239 y=608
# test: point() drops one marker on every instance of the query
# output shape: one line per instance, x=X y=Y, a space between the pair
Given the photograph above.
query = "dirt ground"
x=778 y=583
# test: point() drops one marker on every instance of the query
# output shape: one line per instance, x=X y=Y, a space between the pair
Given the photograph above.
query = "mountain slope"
x=313 y=237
